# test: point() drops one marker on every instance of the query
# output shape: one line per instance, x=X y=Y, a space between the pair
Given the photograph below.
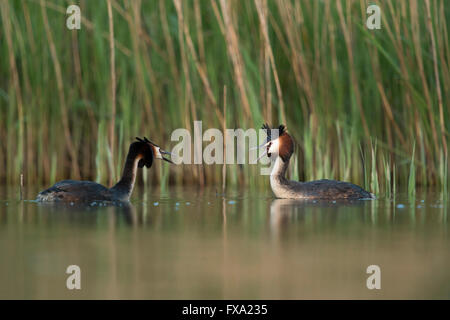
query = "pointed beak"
x=166 y=159
x=262 y=155
x=264 y=145
x=261 y=146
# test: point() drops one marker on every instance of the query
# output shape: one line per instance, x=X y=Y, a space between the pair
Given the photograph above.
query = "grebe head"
x=282 y=146
x=148 y=150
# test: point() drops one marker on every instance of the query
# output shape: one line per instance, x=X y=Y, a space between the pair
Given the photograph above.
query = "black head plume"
x=152 y=143
x=266 y=128
x=147 y=152
x=281 y=130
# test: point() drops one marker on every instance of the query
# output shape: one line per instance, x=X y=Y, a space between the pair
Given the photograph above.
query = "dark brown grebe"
x=140 y=154
x=280 y=150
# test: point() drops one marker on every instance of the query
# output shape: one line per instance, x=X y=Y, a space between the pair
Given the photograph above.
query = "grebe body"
x=76 y=191
x=141 y=153
x=280 y=150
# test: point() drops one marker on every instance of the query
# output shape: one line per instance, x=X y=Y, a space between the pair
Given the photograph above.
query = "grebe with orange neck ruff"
x=280 y=150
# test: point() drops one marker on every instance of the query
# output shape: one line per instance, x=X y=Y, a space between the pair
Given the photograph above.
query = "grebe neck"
x=279 y=167
x=281 y=187
x=124 y=187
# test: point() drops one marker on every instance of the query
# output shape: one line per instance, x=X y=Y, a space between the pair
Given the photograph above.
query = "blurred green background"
x=367 y=106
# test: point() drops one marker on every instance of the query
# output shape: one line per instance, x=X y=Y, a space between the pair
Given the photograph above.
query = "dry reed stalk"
x=316 y=74
x=112 y=66
x=169 y=46
x=297 y=58
x=279 y=34
x=235 y=55
x=143 y=50
x=436 y=74
x=415 y=33
x=139 y=69
x=29 y=156
x=385 y=101
x=397 y=43
x=265 y=88
x=29 y=28
x=199 y=66
x=199 y=28
x=445 y=35
x=224 y=166
x=188 y=98
x=444 y=48
x=261 y=6
x=81 y=88
x=332 y=33
x=320 y=64
x=62 y=100
x=4 y=8
x=218 y=16
x=354 y=81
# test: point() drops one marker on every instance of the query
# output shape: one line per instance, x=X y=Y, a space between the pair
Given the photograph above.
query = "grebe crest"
x=282 y=146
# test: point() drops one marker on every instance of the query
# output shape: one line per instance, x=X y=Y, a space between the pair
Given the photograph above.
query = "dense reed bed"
x=367 y=106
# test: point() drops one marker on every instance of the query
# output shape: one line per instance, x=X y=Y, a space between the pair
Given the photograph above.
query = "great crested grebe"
x=280 y=150
x=140 y=154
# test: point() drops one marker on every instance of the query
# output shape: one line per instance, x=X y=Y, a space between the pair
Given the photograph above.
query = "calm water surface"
x=196 y=244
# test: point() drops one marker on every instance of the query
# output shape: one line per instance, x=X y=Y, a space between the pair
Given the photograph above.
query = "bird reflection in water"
x=286 y=214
